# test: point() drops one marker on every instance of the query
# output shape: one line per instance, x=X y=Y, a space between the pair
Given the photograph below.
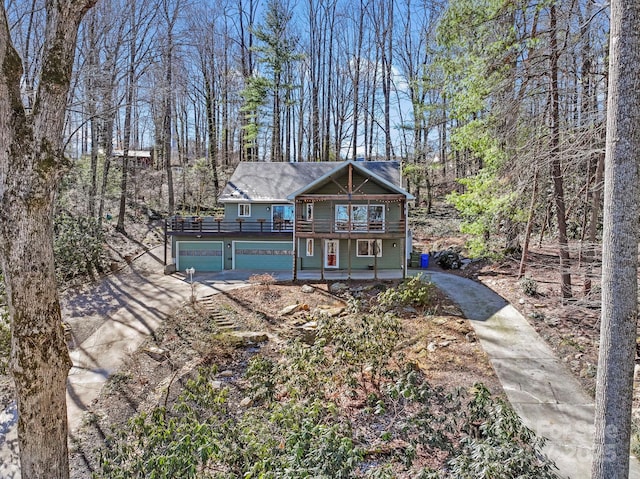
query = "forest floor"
x=438 y=340
x=571 y=327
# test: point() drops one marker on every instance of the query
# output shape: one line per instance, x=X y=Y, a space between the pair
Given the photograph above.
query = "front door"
x=331 y=253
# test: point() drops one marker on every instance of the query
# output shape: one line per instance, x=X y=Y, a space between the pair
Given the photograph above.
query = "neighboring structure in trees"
x=32 y=163
x=301 y=216
x=614 y=387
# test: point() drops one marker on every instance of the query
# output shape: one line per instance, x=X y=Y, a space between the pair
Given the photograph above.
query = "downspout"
x=295 y=241
x=165 y=241
x=322 y=240
x=349 y=256
x=406 y=237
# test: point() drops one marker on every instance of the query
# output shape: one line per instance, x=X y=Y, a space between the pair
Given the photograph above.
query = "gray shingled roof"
x=266 y=181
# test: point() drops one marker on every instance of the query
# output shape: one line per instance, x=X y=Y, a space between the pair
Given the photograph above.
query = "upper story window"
x=308 y=211
x=282 y=217
x=244 y=210
x=360 y=217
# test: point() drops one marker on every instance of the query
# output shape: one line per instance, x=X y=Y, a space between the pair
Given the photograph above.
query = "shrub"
x=78 y=246
x=264 y=279
x=498 y=444
x=5 y=343
x=5 y=331
x=415 y=291
x=197 y=437
x=450 y=259
x=260 y=373
x=529 y=286
x=635 y=436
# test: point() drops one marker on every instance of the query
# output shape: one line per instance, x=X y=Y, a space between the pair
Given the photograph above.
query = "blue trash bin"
x=424 y=260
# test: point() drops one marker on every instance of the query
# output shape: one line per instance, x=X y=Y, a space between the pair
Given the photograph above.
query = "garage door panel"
x=260 y=255
x=201 y=255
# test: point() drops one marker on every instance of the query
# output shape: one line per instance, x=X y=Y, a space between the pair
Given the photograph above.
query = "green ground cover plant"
x=344 y=406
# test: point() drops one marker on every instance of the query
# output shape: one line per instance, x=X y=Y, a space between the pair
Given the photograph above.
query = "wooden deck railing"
x=210 y=224
x=331 y=226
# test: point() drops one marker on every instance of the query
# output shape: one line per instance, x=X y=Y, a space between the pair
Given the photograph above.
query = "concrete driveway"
x=132 y=305
x=542 y=391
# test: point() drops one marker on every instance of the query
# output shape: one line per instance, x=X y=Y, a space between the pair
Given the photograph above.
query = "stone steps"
x=220 y=319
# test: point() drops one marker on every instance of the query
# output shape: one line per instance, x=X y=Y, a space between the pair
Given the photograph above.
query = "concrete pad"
x=505 y=335
x=527 y=381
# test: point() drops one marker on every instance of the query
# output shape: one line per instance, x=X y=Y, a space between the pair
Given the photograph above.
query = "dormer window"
x=244 y=210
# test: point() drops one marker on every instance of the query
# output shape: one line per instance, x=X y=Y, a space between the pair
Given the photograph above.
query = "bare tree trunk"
x=32 y=163
x=527 y=234
x=556 y=171
x=90 y=82
x=356 y=79
x=614 y=387
x=596 y=196
x=168 y=103
x=131 y=78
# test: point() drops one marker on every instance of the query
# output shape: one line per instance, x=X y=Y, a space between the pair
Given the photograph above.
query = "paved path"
x=144 y=299
x=542 y=391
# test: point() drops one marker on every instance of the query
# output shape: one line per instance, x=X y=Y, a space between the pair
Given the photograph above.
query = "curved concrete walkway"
x=143 y=300
x=541 y=390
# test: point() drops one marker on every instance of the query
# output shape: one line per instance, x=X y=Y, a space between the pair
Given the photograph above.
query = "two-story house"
x=320 y=216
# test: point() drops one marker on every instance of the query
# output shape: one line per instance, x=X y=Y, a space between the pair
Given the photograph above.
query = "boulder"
x=338 y=287
x=156 y=353
x=289 y=309
x=308 y=288
x=331 y=311
x=249 y=337
x=308 y=332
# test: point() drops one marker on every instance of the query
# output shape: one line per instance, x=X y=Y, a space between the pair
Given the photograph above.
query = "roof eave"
x=358 y=167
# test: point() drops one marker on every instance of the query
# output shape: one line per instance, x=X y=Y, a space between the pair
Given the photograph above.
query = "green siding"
x=201 y=255
x=309 y=262
x=370 y=187
x=259 y=211
x=392 y=258
x=263 y=255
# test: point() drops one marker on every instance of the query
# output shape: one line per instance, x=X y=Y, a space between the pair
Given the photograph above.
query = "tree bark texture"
x=556 y=169
x=614 y=388
x=31 y=164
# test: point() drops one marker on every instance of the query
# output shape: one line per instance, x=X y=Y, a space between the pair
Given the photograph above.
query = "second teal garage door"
x=201 y=255
x=263 y=255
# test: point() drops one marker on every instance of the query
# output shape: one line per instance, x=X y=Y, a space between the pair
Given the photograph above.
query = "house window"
x=342 y=218
x=310 y=246
x=367 y=248
x=282 y=217
x=361 y=217
x=376 y=217
x=308 y=211
x=244 y=210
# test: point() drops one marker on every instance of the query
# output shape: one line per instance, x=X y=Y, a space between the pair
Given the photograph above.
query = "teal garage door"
x=201 y=255
x=263 y=255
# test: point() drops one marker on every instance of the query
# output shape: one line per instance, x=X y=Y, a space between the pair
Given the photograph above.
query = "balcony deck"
x=324 y=227
x=212 y=226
